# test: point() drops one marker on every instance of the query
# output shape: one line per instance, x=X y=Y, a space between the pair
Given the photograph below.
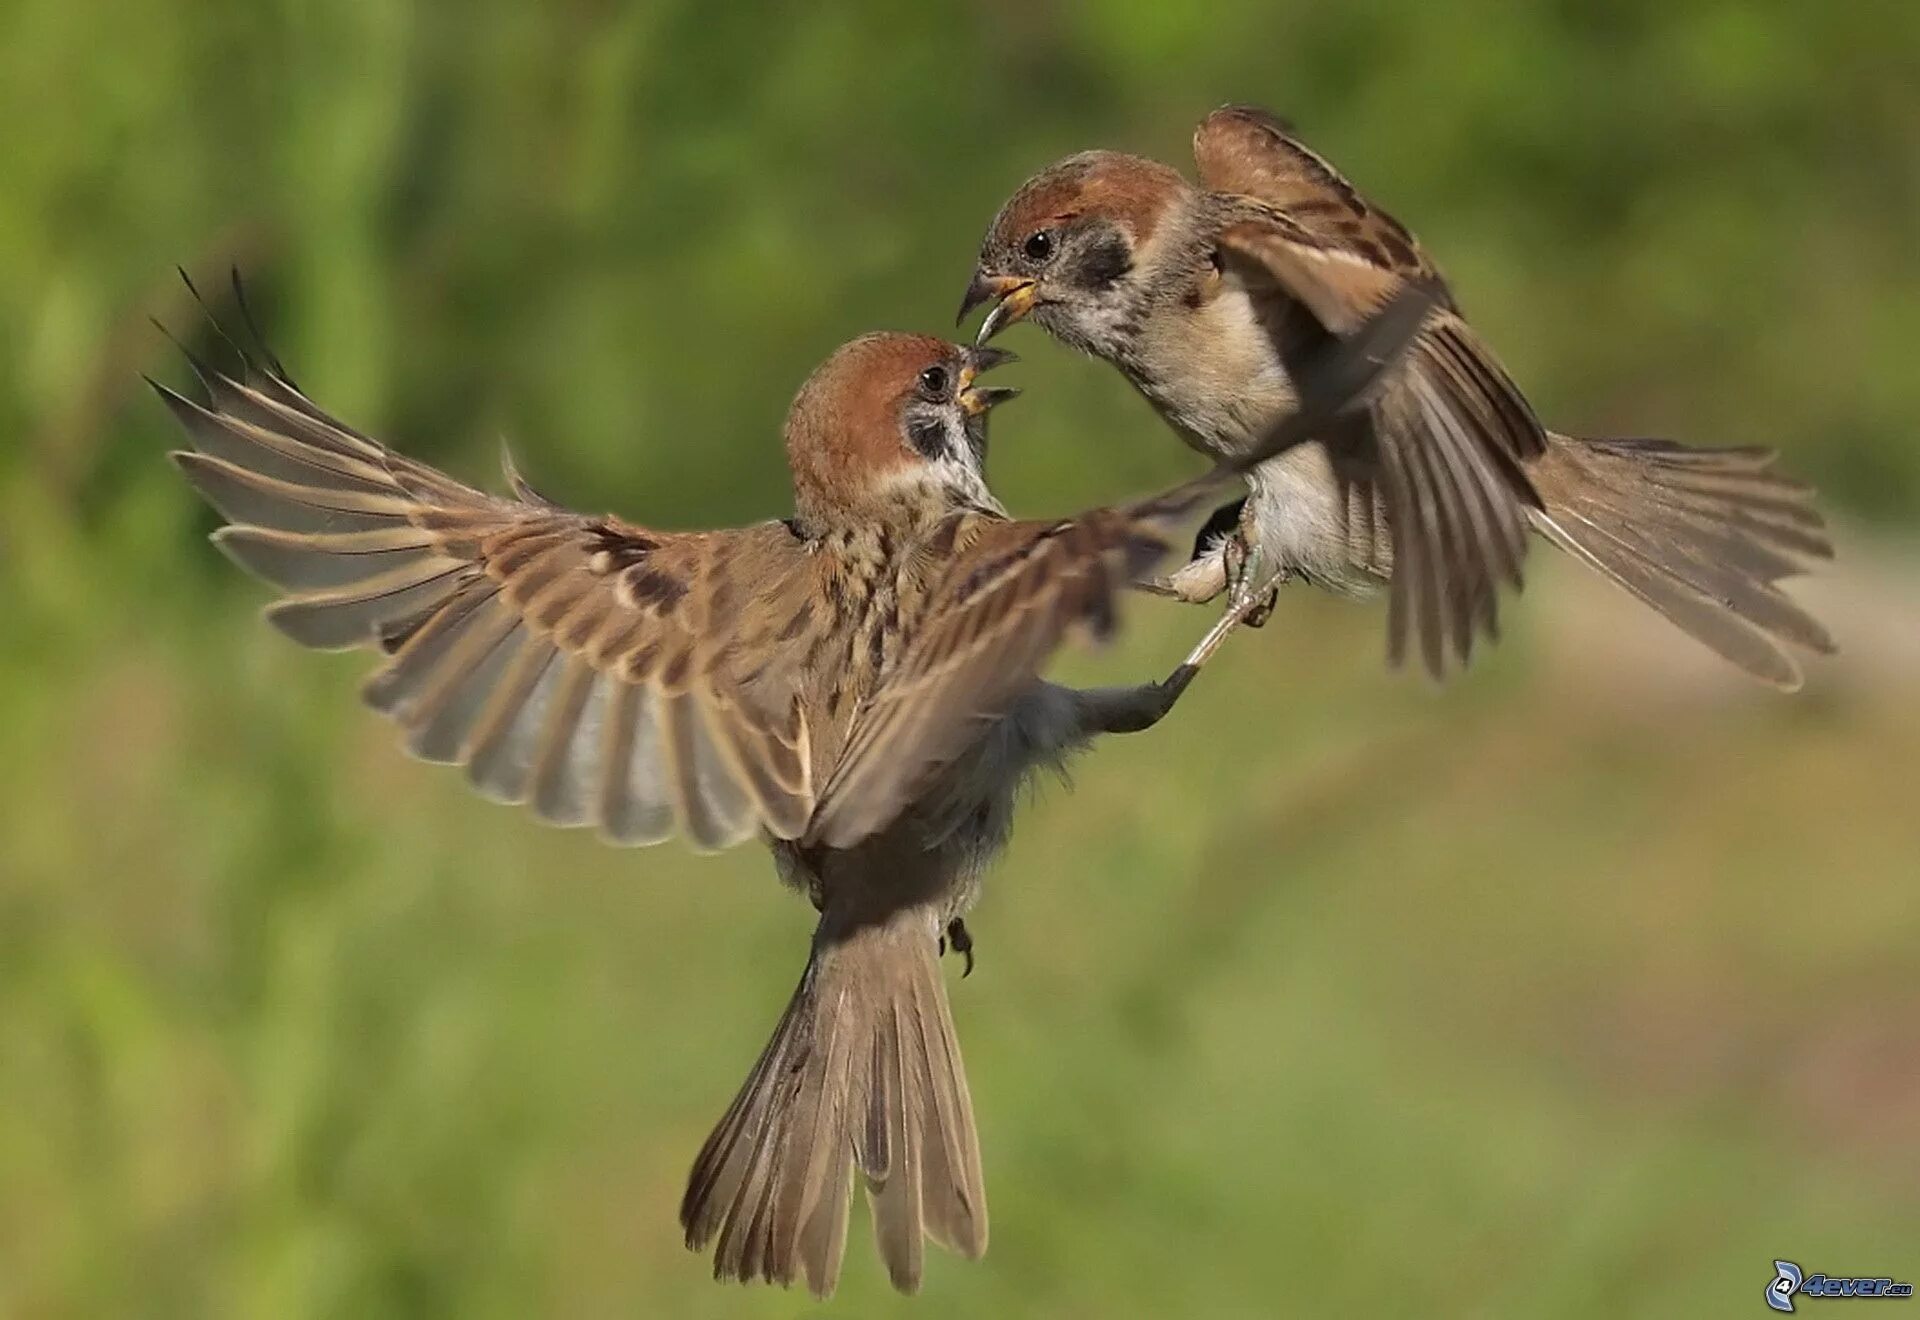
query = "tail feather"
x=862 y=1072
x=1702 y=535
x=955 y=1217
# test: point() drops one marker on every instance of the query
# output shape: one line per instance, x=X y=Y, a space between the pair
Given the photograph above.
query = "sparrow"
x=1198 y=294
x=857 y=685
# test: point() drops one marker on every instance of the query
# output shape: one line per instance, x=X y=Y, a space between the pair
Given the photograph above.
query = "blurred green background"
x=1586 y=986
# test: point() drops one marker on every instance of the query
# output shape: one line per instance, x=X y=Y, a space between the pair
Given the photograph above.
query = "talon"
x=1245 y=564
x=1257 y=616
x=1235 y=555
x=962 y=942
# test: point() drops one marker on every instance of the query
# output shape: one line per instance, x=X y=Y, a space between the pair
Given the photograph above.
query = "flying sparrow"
x=858 y=685
x=1199 y=294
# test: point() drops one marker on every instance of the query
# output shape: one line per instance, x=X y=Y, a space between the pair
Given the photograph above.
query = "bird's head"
x=893 y=427
x=1073 y=248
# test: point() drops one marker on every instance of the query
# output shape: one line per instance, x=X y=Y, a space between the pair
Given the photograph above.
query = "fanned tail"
x=1704 y=536
x=864 y=1073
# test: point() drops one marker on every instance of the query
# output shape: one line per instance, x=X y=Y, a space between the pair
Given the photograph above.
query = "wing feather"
x=1453 y=433
x=584 y=665
x=1002 y=605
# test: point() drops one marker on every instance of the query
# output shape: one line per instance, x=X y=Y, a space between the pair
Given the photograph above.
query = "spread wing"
x=1449 y=438
x=604 y=673
x=1005 y=597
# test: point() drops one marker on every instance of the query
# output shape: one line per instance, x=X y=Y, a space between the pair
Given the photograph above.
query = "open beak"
x=976 y=400
x=1012 y=296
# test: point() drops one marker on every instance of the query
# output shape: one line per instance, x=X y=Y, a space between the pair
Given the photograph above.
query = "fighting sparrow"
x=1200 y=294
x=858 y=685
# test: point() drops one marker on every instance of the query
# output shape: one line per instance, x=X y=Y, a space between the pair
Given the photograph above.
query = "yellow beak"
x=977 y=399
x=1014 y=298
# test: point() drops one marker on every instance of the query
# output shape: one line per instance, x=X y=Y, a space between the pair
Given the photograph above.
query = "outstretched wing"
x=1008 y=593
x=607 y=674
x=1449 y=438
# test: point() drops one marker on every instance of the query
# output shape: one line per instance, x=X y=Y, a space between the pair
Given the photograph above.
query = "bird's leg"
x=1203 y=651
x=1241 y=560
x=961 y=941
x=1227 y=558
x=1244 y=599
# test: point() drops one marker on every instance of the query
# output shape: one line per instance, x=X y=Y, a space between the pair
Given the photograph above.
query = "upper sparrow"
x=1198 y=294
x=857 y=684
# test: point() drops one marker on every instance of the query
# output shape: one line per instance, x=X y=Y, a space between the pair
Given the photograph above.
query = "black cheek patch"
x=1104 y=261
x=927 y=436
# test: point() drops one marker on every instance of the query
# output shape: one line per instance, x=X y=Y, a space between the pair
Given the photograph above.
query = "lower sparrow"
x=857 y=685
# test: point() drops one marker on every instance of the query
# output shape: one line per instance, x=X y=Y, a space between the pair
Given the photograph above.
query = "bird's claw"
x=1251 y=592
x=1241 y=559
x=1257 y=616
x=962 y=942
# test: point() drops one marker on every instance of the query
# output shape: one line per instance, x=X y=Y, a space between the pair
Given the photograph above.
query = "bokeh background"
x=1586 y=986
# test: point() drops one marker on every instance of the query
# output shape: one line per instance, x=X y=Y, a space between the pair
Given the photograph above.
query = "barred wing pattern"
x=583 y=665
x=1010 y=593
x=1450 y=438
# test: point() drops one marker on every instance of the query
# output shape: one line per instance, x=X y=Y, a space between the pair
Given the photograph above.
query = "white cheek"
x=1101 y=320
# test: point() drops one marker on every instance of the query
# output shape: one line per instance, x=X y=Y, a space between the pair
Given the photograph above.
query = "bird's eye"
x=933 y=382
x=1039 y=245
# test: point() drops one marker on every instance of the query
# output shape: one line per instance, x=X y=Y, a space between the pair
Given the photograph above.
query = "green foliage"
x=1569 y=991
